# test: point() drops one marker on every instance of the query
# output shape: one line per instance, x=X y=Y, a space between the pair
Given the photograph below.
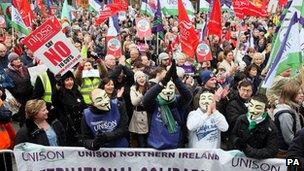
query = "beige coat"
x=139 y=120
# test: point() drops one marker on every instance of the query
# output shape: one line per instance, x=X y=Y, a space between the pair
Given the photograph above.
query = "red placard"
x=143 y=27
x=114 y=46
x=203 y=52
x=42 y=34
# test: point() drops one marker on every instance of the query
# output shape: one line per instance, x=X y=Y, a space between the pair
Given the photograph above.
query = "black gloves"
x=166 y=79
x=90 y=145
x=170 y=73
x=97 y=143
x=174 y=71
x=240 y=144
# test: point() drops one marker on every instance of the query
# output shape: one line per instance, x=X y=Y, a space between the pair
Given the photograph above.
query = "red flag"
x=42 y=8
x=25 y=11
x=122 y=3
x=245 y=7
x=188 y=36
x=108 y=11
x=238 y=6
x=252 y=10
x=282 y=3
x=214 y=26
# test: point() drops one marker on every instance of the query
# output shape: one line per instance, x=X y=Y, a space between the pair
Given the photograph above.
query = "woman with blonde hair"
x=286 y=114
x=39 y=128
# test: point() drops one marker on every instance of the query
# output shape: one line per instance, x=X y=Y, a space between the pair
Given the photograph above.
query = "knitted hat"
x=137 y=74
x=162 y=56
x=13 y=56
x=205 y=76
x=180 y=72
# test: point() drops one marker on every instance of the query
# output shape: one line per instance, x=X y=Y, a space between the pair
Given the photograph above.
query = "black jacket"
x=23 y=88
x=296 y=148
x=261 y=142
x=69 y=106
x=126 y=82
x=234 y=108
x=32 y=134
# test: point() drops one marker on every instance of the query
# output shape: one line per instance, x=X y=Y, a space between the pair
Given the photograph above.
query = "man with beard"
x=255 y=133
x=206 y=123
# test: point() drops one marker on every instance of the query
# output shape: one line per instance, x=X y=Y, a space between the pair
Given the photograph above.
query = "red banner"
x=245 y=7
x=143 y=27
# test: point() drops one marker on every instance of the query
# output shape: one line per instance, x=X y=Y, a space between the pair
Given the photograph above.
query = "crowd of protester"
x=155 y=97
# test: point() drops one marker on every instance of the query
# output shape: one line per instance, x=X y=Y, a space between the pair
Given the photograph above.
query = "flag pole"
x=238 y=41
x=13 y=36
x=157 y=44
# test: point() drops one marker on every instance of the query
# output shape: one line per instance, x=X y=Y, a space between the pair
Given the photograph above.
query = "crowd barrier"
x=7 y=162
x=32 y=157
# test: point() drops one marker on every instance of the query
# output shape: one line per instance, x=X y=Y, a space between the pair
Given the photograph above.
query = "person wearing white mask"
x=167 y=111
x=205 y=124
x=254 y=133
x=104 y=124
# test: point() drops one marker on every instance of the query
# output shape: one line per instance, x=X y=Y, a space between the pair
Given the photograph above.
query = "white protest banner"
x=90 y=73
x=51 y=45
x=35 y=71
x=36 y=157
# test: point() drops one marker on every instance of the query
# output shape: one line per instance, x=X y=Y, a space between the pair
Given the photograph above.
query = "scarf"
x=254 y=122
x=166 y=114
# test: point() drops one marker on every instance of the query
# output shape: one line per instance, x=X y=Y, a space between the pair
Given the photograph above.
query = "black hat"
x=67 y=75
x=64 y=77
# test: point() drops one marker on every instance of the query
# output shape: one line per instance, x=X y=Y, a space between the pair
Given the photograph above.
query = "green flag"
x=18 y=23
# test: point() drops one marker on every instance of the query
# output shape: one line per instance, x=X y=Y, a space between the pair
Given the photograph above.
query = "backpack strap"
x=294 y=127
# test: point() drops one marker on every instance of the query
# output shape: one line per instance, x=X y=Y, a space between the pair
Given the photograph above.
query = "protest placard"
x=52 y=47
x=143 y=27
x=114 y=46
x=203 y=52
